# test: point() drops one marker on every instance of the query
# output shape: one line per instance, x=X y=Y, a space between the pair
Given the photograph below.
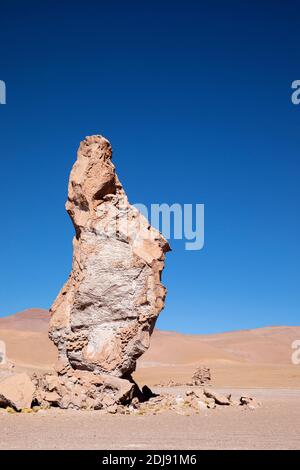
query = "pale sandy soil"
x=276 y=425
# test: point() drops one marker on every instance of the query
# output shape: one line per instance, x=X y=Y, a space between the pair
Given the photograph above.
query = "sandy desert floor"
x=252 y=362
x=276 y=425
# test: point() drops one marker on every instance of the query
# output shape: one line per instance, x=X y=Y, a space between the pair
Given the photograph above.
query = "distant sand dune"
x=247 y=358
x=270 y=345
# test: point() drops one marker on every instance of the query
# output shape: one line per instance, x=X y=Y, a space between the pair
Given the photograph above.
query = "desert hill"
x=34 y=319
x=257 y=357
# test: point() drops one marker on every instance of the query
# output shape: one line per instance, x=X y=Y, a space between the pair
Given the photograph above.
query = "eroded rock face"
x=202 y=376
x=104 y=315
x=82 y=390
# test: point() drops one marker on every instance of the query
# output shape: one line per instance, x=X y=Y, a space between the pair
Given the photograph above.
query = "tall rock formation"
x=104 y=315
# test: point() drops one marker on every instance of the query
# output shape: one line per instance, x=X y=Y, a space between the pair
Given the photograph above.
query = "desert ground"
x=276 y=425
x=253 y=362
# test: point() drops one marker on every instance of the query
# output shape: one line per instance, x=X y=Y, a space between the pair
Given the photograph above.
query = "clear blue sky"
x=195 y=98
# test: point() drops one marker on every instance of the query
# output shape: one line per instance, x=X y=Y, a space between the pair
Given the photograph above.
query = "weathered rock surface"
x=250 y=402
x=217 y=397
x=82 y=390
x=17 y=391
x=104 y=315
x=202 y=376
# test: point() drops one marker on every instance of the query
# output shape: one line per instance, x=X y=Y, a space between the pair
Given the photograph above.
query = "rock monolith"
x=104 y=315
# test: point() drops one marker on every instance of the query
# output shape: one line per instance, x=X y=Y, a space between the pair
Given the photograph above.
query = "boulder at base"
x=16 y=391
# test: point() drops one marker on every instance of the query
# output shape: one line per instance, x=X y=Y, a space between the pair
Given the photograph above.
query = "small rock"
x=235 y=402
x=201 y=405
x=135 y=402
x=108 y=400
x=51 y=382
x=26 y=410
x=250 y=402
x=9 y=409
x=112 y=409
x=52 y=397
x=217 y=397
x=199 y=394
x=147 y=393
x=179 y=400
x=210 y=403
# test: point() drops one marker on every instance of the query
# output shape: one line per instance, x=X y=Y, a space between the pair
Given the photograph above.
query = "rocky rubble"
x=192 y=401
x=201 y=377
x=85 y=391
x=82 y=390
